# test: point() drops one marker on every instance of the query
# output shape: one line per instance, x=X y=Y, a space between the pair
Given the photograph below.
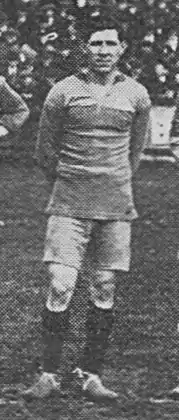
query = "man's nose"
x=104 y=50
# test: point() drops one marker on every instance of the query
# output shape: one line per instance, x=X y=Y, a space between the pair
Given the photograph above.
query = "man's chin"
x=103 y=70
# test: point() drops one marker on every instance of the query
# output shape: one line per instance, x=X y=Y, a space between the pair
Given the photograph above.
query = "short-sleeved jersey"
x=94 y=138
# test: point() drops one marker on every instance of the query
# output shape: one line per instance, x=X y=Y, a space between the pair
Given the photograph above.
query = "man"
x=13 y=114
x=13 y=110
x=92 y=131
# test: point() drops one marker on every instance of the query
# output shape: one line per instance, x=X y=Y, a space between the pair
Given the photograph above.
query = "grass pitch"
x=143 y=355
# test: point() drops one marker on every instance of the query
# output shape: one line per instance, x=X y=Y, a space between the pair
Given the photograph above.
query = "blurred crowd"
x=36 y=48
x=38 y=42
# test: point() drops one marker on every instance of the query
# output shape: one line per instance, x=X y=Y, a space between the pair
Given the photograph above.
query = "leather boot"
x=54 y=328
x=98 y=329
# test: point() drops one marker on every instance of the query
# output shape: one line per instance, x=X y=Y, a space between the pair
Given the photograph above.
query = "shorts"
x=107 y=242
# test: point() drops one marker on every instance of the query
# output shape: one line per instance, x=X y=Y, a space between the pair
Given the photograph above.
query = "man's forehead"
x=104 y=35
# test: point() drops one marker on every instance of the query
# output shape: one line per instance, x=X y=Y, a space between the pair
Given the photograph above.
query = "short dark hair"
x=99 y=19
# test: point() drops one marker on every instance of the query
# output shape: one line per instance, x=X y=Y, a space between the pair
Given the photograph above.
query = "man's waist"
x=94 y=170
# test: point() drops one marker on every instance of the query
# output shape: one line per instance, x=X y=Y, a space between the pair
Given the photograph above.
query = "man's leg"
x=64 y=250
x=100 y=320
x=55 y=317
x=98 y=329
x=54 y=326
x=112 y=254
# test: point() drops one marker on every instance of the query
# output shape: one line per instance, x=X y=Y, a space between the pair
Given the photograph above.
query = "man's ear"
x=123 y=47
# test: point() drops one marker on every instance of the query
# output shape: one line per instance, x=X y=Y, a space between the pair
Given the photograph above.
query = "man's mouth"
x=103 y=62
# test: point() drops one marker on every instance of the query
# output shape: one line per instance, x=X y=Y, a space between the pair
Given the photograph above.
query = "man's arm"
x=13 y=110
x=50 y=133
x=141 y=129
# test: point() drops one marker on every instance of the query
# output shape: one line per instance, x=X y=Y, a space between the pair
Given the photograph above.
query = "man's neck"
x=101 y=78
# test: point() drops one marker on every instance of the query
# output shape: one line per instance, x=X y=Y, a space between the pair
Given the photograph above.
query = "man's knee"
x=63 y=281
x=102 y=289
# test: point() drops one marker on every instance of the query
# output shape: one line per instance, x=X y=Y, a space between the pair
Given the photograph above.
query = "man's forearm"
x=140 y=137
x=174 y=147
x=45 y=156
x=175 y=122
x=50 y=134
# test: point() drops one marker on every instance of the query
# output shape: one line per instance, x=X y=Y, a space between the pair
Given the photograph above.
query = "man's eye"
x=100 y=43
x=96 y=43
x=111 y=43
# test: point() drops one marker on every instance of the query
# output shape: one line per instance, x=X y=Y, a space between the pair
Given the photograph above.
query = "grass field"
x=143 y=355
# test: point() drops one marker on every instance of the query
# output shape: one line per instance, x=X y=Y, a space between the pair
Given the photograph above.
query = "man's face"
x=104 y=50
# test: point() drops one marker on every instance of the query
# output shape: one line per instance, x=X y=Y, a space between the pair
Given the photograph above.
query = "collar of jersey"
x=117 y=76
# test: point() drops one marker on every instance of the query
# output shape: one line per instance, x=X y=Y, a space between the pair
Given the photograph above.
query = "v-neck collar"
x=117 y=76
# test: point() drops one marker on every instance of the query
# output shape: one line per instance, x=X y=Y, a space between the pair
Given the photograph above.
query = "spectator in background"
x=27 y=24
x=49 y=64
x=150 y=32
x=27 y=81
x=13 y=113
x=18 y=66
x=10 y=50
x=48 y=18
x=28 y=54
x=4 y=25
x=46 y=71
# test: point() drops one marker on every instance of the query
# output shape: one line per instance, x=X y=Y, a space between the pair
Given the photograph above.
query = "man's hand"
x=174 y=147
x=3 y=131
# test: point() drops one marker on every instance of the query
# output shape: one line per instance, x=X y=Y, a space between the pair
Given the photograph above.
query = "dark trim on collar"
x=118 y=76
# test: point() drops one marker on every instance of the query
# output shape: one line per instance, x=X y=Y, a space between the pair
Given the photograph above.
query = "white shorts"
x=108 y=242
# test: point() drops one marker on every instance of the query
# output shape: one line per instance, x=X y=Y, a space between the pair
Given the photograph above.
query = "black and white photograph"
x=89 y=209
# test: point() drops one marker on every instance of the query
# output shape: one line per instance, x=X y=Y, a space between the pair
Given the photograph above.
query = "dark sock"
x=98 y=329
x=54 y=327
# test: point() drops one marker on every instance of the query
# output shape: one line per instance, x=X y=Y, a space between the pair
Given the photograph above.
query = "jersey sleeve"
x=51 y=131
x=143 y=99
x=141 y=127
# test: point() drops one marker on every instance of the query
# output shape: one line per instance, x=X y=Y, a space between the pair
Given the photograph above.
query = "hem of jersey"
x=99 y=267
x=60 y=261
x=114 y=267
x=94 y=216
